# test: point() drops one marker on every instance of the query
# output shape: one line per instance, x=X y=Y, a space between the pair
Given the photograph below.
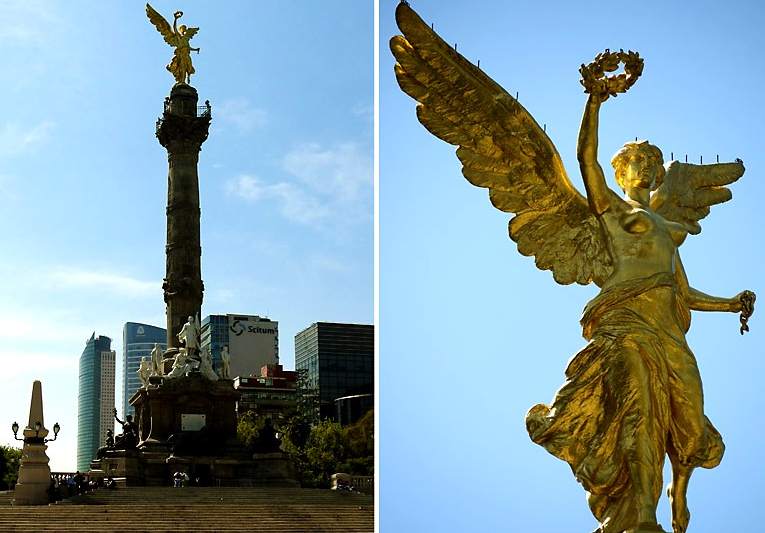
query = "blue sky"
x=472 y=334
x=285 y=178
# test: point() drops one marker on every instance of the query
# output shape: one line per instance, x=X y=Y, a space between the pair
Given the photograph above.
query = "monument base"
x=188 y=424
x=34 y=477
x=147 y=468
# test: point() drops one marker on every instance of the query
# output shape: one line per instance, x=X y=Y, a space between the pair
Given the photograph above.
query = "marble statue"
x=144 y=371
x=205 y=365
x=225 y=359
x=157 y=367
x=189 y=336
x=181 y=365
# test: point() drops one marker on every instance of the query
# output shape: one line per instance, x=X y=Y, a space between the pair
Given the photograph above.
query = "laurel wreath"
x=595 y=80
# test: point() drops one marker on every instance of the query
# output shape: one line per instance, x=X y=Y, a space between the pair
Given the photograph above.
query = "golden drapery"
x=181 y=67
x=632 y=395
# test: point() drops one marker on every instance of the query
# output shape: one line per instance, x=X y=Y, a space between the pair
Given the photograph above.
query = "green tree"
x=248 y=426
x=360 y=446
x=10 y=459
x=324 y=452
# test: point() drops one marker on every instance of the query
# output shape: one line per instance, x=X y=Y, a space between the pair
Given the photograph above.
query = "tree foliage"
x=248 y=426
x=321 y=449
x=10 y=459
x=329 y=448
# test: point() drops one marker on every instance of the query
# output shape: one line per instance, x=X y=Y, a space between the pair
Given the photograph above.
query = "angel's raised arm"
x=598 y=193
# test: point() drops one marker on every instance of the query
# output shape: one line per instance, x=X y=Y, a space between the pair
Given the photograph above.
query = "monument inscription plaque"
x=192 y=422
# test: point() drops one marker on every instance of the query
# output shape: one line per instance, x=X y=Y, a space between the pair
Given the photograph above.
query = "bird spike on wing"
x=501 y=148
x=688 y=191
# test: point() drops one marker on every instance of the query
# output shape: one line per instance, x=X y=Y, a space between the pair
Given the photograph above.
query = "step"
x=168 y=509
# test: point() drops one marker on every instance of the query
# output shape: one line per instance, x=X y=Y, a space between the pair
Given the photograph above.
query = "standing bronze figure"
x=633 y=395
x=178 y=37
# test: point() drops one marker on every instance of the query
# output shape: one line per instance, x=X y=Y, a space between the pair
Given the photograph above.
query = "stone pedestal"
x=34 y=476
x=170 y=442
x=160 y=409
x=274 y=469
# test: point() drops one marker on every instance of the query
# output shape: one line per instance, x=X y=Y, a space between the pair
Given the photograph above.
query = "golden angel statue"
x=178 y=37
x=633 y=395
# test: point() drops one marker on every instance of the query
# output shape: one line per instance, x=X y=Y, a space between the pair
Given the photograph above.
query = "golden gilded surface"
x=633 y=395
x=178 y=37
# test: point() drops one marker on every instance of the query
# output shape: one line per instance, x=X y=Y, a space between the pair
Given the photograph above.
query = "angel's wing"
x=688 y=191
x=162 y=25
x=501 y=147
x=190 y=33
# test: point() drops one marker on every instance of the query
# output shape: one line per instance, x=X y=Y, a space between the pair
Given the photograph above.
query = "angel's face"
x=182 y=29
x=638 y=170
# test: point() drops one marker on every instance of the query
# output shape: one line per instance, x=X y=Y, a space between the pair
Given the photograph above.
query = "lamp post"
x=38 y=427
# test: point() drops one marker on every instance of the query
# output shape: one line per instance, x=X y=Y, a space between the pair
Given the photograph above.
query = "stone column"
x=34 y=472
x=182 y=130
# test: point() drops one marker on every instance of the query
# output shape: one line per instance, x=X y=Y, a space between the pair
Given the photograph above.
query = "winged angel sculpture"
x=633 y=394
x=178 y=37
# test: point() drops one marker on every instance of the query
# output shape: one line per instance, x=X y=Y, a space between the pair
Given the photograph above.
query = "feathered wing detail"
x=162 y=25
x=688 y=191
x=190 y=33
x=502 y=148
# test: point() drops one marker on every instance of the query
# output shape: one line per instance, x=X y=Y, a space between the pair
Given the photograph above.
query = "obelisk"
x=34 y=472
x=182 y=130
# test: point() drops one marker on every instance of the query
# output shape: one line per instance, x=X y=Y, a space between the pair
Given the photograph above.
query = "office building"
x=95 y=399
x=252 y=341
x=272 y=394
x=137 y=341
x=350 y=409
x=338 y=360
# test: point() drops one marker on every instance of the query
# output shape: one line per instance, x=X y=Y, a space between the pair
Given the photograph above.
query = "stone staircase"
x=164 y=509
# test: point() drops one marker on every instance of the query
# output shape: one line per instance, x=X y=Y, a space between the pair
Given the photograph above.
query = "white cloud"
x=294 y=203
x=240 y=113
x=15 y=139
x=101 y=280
x=342 y=173
x=331 y=183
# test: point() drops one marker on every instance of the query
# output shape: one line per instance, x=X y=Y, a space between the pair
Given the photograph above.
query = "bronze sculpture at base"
x=633 y=395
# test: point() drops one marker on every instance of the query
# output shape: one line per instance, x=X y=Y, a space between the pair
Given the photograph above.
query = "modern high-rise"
x=338 y=360
x=253 y=342
x=96 y=398
x=137 y=341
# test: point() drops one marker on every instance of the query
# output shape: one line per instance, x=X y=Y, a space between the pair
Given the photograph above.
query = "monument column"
x=182 y=130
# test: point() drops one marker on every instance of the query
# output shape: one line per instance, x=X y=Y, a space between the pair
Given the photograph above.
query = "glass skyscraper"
x=214 y=333
x=137 y=341
x=96 y=394
x=338 y=360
